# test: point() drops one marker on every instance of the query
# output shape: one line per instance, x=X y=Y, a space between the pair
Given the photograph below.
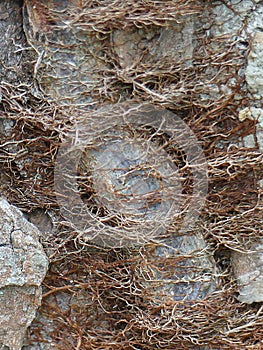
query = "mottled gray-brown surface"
x=23 y=268
x=202 y=60
x=13 y=65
